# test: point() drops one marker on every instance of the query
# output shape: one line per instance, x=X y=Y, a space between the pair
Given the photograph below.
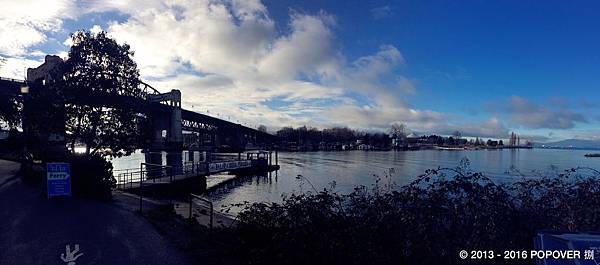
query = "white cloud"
x=382 y=116
x=15 y=67
x=242 y=60
x=25 y=23
x=381 y=12
x=236 y=48
x=121 y=6
x=306 y=50
x=229 y=57
x=203 y=34
x=95 y=29
x=406 y=86
x=528 y=114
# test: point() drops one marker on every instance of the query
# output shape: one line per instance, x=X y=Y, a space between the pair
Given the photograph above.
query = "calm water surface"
x=352 y=168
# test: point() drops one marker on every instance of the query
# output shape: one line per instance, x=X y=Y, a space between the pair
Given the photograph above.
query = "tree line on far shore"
x=311 y=138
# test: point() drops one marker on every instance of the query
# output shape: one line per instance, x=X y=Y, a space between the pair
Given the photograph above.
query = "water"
x=352 y=168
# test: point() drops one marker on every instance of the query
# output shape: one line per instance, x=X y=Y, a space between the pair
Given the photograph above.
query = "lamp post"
x=24 y=95
x=25 y=89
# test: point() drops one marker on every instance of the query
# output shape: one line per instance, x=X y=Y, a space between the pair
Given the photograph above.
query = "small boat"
x=592 y=155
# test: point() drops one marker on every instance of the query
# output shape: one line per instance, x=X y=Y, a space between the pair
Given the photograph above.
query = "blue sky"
x=484 y=68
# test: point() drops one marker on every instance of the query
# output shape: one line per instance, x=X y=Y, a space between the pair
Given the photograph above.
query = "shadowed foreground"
x=35 y=230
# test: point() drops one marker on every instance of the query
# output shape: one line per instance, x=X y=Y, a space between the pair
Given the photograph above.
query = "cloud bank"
x=232 y=60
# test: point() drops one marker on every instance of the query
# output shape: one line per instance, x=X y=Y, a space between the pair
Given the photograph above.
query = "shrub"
x=91 y=177
x=426 y=222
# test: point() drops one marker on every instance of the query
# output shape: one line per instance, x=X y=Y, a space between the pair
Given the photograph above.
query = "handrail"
x=125 y=169
x=210 y=203
x=131 y=176
x=157 y=165
x=12 y=79
x=156 y=172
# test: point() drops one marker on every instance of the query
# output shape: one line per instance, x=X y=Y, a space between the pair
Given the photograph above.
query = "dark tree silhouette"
x=9 y=111
x=9 y=107
x=262 y=128
x=99 y=69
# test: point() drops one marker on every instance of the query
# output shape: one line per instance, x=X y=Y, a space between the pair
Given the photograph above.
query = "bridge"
x=173 y=128
x=10 y=86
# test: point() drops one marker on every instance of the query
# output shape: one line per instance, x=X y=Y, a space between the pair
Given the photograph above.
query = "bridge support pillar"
x=175 y=128
x=174 y=161
x=191 y=156
x=168 y=132
x=154 y=158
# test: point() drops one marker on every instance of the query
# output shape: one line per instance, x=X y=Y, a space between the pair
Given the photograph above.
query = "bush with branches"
x=428 y=221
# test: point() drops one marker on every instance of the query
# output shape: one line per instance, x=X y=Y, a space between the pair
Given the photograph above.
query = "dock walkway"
x=149 y=174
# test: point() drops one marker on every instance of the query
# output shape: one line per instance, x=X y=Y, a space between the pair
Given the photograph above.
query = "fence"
x=202 y=210
x=131 y=178
x=196 y=200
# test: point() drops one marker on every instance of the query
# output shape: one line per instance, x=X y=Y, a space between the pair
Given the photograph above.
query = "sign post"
x=58 y=176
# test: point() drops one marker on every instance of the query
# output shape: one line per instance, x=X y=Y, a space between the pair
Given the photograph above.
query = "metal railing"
x=153 y=169
x=12 y=80
x=194 y=200
x=147 y=172
x=156 y=173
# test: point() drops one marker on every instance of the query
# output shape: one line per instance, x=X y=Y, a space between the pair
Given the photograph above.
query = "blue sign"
x=555 y=248
x=59 y=179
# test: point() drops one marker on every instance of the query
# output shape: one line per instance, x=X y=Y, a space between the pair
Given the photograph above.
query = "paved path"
x=35 y=230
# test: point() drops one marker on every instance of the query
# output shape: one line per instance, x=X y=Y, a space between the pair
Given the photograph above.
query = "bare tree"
x=457 y=134
x=398 y=130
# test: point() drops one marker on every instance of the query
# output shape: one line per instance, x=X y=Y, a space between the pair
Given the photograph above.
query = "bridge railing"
x=12 y=80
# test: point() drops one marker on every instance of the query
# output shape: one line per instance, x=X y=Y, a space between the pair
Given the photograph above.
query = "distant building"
x=364 y=147
x=412 y=138
x=395 y=142
x=492 y=143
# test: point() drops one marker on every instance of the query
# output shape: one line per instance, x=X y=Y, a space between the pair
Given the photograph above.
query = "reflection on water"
x=352 y=168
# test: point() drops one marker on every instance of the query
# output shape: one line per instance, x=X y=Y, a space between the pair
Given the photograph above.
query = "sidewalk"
x=35 y=230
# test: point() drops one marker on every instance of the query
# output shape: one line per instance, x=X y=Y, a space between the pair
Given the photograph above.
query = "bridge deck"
x=192 y=121
x=9 y=86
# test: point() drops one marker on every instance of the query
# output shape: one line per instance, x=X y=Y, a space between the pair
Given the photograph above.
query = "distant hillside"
x=572 y=143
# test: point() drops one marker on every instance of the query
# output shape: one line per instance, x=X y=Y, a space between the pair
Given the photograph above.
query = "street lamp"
x=25 y=92
x=24 y=89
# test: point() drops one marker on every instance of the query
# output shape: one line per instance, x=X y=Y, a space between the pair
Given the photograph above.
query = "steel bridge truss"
x=196 y=126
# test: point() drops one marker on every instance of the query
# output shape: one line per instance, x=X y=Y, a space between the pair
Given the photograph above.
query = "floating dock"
x=203 y=175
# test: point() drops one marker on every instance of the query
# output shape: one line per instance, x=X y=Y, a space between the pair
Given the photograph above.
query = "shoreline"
x=441 y=148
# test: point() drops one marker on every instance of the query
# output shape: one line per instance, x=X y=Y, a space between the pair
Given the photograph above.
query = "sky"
x=485 y=68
